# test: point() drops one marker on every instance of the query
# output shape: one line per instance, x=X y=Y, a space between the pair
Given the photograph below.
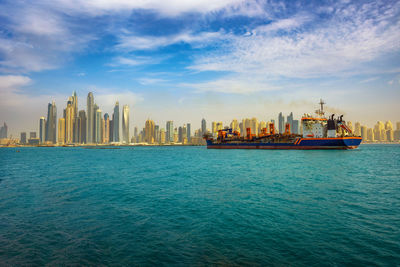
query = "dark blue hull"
x=300 y=143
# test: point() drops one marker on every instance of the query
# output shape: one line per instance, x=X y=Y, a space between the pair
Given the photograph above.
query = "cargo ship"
x=318 y=132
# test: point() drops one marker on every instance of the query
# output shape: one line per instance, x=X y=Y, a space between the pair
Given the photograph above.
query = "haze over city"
x=200 y=59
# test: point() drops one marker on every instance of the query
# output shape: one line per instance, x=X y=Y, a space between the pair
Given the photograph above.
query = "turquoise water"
x=193 y=206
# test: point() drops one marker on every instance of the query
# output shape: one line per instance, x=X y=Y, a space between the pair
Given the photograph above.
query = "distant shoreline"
x=109 y=146
x=103 y=145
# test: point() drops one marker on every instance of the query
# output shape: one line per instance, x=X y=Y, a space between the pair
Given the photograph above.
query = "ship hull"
x=301 y=143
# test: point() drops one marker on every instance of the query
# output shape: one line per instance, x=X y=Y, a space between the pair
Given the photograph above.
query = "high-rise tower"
x=290 y=121
x=188 y=132
x=116 y=122
x=3 y=131
x=281 y=121
x=51 y=123
x=203 y=126
x=69 y=122
x=125 y=124
x=75 y=103
x=90 y=118
x=42 y=130
x=98 y=127
x=61 y=131
x=170 y=132
x=106 y=129
x=83 y=125
x=149 y=131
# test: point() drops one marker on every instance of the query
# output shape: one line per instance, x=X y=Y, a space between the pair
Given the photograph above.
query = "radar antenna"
x=321 y=112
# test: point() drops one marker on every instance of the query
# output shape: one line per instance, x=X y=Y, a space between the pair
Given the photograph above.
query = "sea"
x=189 y=206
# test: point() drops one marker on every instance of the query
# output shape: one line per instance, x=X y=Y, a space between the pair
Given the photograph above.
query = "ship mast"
x=321 y=112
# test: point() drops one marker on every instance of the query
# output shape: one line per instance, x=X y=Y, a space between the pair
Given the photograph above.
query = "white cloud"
x=13 y=82
x=41 y=39
x=369 y=80
x=168 y=8
x=339 y=46
x=133 y=42
x=234 y=85
x=148 y=81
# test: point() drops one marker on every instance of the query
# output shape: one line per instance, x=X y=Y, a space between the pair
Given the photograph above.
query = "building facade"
x=125 y=124
x=116 y=122
x=90 y=118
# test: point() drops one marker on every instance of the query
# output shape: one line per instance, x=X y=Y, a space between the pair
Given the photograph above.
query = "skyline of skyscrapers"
x=74 y=127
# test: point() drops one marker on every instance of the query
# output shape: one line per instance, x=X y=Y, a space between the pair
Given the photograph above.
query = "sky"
x=188 y=60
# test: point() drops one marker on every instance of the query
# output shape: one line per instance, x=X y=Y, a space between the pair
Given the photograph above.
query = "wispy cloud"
x=355 y=35
x=132 y=42
x=233 y=85
x=36 y=37
x=148 y=81
x=369 y=80
x=167 y=8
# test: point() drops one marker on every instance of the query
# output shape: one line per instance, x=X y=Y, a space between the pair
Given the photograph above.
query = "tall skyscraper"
x=188 y=132
x=180 y=134
x=170 y=132
x=203 y=126
x=290 y=121
x=98 y=128
x=162 y=136
x=234 y=125
x=389 y=131
x=61 y=131
x=51 y=123
x=42 y=130
x=106 y=129
x=149 y=131
x=83 y=125
x=254 y=126
x=396 y=134
x=281 y=121
x=370 y=135
x=364 y=133
x=156 y=133
x=23 y=138
x=75 y=103
x=77 y=130
x=379 y=131
x=357 y=129
x=125 y=124
x=95 y=108
x=111 y=131
x=116 y=122
x=3 y=131
x=184 y=134
x=69 y=126
x=90 y=118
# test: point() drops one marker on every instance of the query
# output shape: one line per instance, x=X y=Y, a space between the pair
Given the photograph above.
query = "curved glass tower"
x=125 y=124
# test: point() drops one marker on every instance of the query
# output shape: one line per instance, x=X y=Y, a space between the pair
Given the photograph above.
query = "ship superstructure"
x=319 y=132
